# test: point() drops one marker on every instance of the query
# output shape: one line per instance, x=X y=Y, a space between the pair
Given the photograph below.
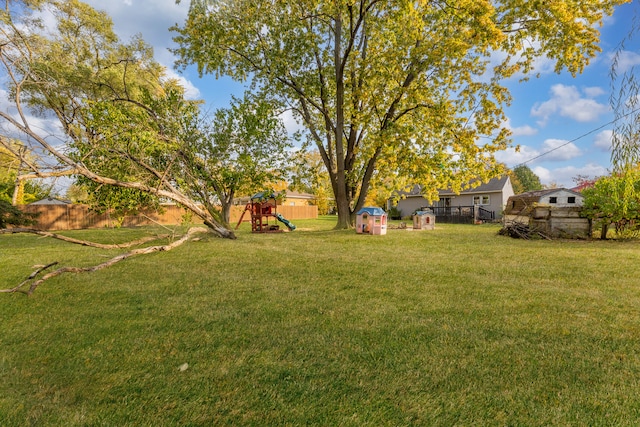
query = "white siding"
x=561 y=198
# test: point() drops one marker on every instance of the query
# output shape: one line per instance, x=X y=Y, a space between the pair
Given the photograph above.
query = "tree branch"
x=83 y=242
x=112 y=261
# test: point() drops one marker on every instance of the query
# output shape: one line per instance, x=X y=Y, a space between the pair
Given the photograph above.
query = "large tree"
x=121 y=121
x=409 y=87
x=525 y=180
x=614 y=200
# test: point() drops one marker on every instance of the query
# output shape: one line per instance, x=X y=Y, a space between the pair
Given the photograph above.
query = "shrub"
x=11 y=215
x=614 y=200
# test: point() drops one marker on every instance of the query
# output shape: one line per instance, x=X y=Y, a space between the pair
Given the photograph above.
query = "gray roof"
x=494 y=185
x=51 y=201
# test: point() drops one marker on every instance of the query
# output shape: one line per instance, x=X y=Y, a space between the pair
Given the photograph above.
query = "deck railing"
x=461 y=214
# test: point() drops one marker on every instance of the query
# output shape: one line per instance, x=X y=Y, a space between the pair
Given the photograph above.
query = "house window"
x=571 y=199
x=481 y=200
x=553 y=200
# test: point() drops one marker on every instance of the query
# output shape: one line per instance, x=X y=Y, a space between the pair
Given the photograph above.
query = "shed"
x=522 y=204
x=371 y=220
x=555 y=212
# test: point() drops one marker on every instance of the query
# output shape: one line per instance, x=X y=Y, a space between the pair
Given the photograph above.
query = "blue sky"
x=554 y=110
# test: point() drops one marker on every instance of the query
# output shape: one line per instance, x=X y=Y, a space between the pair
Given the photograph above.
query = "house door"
x=444 y=202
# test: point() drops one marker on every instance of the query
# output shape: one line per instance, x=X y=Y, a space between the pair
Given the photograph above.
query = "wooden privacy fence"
x=289 y=212
x=76 y=217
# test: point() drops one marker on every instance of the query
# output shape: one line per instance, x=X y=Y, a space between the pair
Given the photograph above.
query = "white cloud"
x=559 y=150
x=608 y=20
x=563 y=176
x=290 y=122
x=543 y=65
x=567 y=101
x=602 y=141
x=525 y=130
x=43 y=125
x=5 y=104
x=150 y=18
x=594 y=91
x=544 y=174
x=513 y=156
x=626 y=60
x=554 y=150
x=191 y=91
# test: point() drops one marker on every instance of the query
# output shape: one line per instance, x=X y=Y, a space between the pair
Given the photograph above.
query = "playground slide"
x=283 y=220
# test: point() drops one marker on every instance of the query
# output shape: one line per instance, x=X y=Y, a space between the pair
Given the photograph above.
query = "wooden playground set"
x=263 y=208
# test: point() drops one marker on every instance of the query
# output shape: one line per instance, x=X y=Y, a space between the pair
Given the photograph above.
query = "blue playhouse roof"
x=371 y=211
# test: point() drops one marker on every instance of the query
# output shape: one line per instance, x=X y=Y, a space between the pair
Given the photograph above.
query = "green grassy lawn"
x=455 y=326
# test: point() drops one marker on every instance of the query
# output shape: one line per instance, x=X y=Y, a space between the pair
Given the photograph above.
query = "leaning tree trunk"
x=171 y=193
x=226 y=212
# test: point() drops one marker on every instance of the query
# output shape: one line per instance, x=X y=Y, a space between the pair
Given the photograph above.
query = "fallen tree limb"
x=519 y=230
x=83 y=242
x=112 y=261
x=31 y=277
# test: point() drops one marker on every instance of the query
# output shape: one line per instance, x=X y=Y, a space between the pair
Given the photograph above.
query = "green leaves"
x=238 y=152
x=123 y=121
x=11 y=215
x=525 y=180
x=614 y=200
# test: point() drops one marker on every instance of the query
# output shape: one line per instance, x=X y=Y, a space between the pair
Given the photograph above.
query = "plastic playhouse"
x=371 y=220
x=424 y=220
x=263 y=208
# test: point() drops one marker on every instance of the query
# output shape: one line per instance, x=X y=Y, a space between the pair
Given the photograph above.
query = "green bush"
x=11 y=215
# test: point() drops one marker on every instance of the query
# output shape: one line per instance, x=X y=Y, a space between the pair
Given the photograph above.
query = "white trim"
x=482 y=200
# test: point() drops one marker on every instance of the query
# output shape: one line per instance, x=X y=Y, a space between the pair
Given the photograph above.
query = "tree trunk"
x=340 y=187
x=219 y=229
x=171 y=193
x=226 y=212
x=604 y=231
x=18 y=192
x=344 y=212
